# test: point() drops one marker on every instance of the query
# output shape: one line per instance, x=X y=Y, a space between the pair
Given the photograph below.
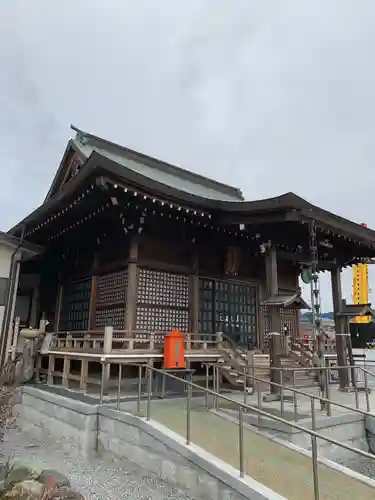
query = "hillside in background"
x=307 y=316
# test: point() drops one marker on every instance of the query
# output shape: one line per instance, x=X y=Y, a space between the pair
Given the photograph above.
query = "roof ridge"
x=159 y=164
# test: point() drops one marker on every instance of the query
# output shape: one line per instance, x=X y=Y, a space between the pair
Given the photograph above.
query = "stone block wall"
x=74 y=422
x=165 y=454
x=95 y=428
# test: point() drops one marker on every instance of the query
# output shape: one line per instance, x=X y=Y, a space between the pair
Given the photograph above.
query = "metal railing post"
x=261 y=413
x=207 y=385
x=259 y=398
x=245 y=385
x=241 y=444
x=282 y=409
x=162 y=389
x=188 y=414
x=314 y=452
x=295 y=402
x=214 y=373
x=218 y=388
x=313 y=413
x=119 y=385
x=140 y=372
x=354 y=382
x=149 y=391
x=367 y=392
x=328 y=395
x=103 y=381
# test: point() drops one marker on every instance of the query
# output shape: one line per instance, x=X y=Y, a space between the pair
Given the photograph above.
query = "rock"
x=52 y=479
x=21 y=472
x=4 y=467
x=26 y=490
x=65 y=493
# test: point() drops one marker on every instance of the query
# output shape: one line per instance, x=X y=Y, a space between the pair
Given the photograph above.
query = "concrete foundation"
x=370 y=431
x=347 y=428
x=55 y=416
x=99 y=429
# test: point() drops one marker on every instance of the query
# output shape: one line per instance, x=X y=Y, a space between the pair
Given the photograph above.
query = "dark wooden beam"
x=340 y=226
x=162 y=265
x=194 y=293
x=265 y=218
x=303 y=258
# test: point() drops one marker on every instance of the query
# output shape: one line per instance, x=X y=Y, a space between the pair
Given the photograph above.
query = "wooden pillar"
x=51 y=369
x=84 y=365
x=276 y=350
x=339 y=327
x=94 y=293
x=132 y=288
x=93 y=301
x=272 y=284
x=58 y=309
x=194 y=298
x=107 y=349
x=12 y=305
x=66 y=372
x=261 y=320
x=272 y=288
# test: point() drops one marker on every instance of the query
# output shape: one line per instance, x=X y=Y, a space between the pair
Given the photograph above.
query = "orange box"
x=174 y=350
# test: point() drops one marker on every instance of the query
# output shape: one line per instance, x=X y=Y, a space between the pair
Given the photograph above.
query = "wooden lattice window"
x=228 y=307
x=75 y=305
x=163 y=301
x=111 y=300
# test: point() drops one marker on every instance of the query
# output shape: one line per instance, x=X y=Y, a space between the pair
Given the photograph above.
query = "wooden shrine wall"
x=164 y=252
x=230 y=307
x=110 y=300
x=229 y=292
x=75 y=305
x=162 y=301
x=93 y=286
x=165 y=272
x=287 y=275
x=287 y=284
x=212 y=257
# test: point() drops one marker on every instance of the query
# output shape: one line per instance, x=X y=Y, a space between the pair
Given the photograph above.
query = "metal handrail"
x=241 y=407
x=284 y=387
x=236 y=347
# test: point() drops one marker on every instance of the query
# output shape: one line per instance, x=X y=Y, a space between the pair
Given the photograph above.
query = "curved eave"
x=98 y=165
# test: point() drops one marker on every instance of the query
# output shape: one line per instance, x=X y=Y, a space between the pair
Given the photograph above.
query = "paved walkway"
x=304 y=402
x=281 y=469
x=96 y=478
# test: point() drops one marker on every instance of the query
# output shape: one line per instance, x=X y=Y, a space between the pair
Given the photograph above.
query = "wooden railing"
x=111 y=340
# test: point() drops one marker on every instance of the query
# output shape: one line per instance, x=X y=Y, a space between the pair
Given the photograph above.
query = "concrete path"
x=286 y=472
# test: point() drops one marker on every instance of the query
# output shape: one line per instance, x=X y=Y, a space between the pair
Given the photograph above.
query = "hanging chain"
x=315 y=282
x=316 y=311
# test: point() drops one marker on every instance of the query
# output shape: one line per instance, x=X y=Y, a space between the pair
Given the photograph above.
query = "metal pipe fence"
x=217 y=397
x=325 y=401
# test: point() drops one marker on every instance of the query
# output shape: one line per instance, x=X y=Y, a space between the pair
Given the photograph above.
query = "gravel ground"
x=362 y=465
x=96 y=478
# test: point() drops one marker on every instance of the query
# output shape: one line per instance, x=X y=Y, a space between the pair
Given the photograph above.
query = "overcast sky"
x=267 y=95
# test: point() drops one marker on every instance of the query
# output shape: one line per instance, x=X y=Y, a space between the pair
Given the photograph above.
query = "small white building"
x=13 y=251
